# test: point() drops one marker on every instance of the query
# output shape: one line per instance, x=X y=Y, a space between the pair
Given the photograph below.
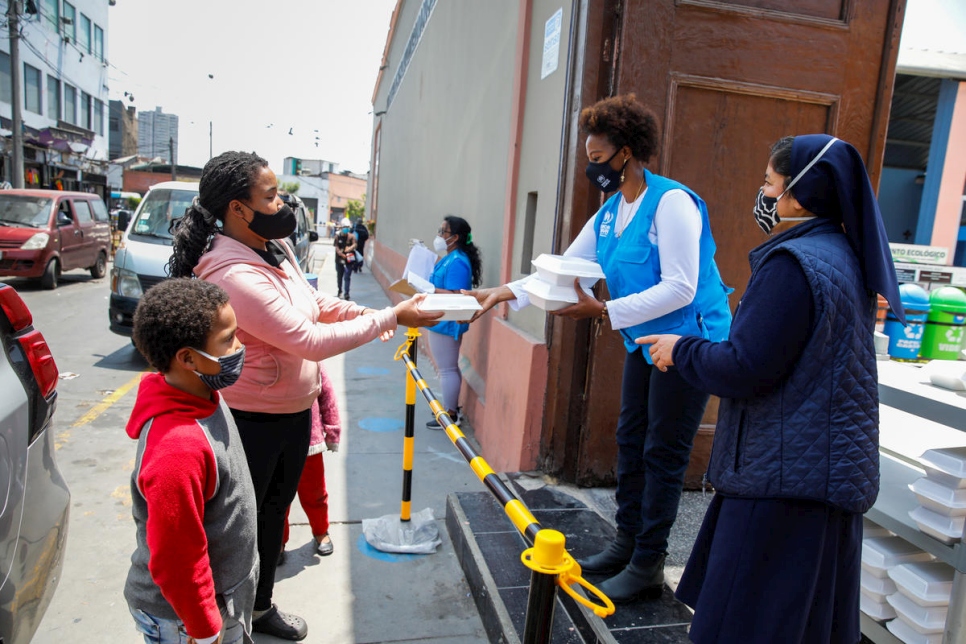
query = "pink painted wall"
x=508 y=417
x=949 y=206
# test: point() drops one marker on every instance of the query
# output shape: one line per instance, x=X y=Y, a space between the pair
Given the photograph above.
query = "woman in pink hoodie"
x=233 y=235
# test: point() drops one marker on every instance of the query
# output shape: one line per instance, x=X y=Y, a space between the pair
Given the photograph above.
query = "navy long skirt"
x=774 y=570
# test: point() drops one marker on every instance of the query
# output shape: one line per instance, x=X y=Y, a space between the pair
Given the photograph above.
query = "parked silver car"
x=34 y=499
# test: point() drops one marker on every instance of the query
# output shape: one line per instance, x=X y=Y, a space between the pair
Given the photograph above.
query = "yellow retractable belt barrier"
x=548 y=555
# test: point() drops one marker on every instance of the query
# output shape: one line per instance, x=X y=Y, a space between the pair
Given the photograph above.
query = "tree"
x=356 y=208
x=291 y=188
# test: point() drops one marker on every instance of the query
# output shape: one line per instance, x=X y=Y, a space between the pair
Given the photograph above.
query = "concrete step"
x=488 y=548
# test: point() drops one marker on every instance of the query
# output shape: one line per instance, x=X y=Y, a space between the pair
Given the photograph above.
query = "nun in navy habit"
x=795 y=461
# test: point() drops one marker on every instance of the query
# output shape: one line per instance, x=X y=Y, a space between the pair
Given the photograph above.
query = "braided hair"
x=225 y=178
x=459 y=226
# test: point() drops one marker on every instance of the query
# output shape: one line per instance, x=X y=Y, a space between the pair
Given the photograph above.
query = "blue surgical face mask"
x=231 y=368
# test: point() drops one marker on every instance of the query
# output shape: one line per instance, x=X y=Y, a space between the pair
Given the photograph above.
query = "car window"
x=158 y=209
x=100 y=211
x=19 y=210
x=83 y=210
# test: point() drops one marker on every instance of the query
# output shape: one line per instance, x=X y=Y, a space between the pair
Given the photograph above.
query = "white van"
x=145 y=249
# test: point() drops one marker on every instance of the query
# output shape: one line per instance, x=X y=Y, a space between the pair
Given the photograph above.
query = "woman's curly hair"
x=174 y=314
x=624 y=121
x=227 y=177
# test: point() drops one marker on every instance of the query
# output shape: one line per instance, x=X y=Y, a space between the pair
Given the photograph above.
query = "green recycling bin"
x=946 y=324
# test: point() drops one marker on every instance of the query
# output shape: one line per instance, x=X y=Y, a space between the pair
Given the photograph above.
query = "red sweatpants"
x=313 y=497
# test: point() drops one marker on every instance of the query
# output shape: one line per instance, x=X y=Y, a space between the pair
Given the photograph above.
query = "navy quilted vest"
x=816 y=435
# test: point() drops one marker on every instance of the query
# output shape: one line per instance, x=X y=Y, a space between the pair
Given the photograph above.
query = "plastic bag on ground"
x=419 y=535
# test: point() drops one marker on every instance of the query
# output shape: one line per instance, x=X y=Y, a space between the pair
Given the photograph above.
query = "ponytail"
x=461 y=227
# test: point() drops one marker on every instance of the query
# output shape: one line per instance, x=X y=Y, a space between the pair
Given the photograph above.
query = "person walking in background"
x=458 y=268
x=287 y=328
x=195 y=568
x=795 y=461
x=312 y=493
x=653 y=241
x=345 y=246
x=362 y=235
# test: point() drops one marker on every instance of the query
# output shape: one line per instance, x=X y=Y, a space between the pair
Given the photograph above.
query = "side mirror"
x=123 y=219
x=63 y=219
x=313 y=236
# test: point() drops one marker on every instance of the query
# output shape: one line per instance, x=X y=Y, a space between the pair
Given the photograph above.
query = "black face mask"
x=606 y=178
x=277 y=226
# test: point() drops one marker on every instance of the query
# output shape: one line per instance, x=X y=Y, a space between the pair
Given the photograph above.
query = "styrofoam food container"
x=876 y=610
x=925 y=619
x=562 y=271
x=876 y=588
x=455 y=306
x=905 y=632
x=927 y=583
x=935 y=496
x=950 y=460
x=873 y=529
x=881 y=553
x=550 y=297
x=941 y=477
x=949 y=530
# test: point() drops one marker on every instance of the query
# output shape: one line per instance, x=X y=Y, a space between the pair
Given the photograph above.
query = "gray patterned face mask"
x=231 y=368
x=766 y=208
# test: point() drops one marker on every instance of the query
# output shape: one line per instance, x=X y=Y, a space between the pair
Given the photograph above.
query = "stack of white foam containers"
x=879 y=555
x=921 y=601
x=553 y=288
x=942 y=494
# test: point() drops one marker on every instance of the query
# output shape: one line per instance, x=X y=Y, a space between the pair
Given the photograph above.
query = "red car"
x=46 y=232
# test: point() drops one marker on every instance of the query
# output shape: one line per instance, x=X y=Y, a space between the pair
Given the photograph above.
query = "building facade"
x=64 y=94
x=158 y=135
x=122 y=130
x=475 y=113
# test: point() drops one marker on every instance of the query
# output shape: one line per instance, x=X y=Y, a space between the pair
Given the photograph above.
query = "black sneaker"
x=457 y=420
x=281 y=625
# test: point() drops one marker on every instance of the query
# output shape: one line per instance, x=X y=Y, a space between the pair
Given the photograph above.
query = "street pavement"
x=357 y=594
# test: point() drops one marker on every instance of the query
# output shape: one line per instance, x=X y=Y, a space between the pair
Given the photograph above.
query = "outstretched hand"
x=409 y=314
x=586 y=306
x=662 y=349
x=488 y=298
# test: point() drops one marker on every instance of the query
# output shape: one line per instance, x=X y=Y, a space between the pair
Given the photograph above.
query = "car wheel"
x=48 y=280
x=99 y=269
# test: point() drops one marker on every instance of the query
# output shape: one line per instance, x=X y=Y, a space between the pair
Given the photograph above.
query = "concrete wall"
x=466 y=105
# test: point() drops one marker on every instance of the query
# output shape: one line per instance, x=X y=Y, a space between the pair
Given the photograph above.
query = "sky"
x=257 y=70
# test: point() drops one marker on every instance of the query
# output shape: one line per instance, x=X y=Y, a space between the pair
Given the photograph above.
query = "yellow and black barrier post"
x=409 y=441
x=549 y=560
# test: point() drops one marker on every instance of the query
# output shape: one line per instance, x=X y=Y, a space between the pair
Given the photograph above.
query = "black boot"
x=636 y=582
x=612 y=559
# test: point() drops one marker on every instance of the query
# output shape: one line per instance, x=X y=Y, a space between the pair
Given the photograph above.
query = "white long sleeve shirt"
x=676 y=230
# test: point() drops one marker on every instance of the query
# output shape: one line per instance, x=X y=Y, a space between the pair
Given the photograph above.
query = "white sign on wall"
x=551 y=44
x=915 y=254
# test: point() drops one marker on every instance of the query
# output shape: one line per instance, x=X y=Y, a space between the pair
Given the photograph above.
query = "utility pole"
x=13 y=20
x=174 y=171
x=210 y=155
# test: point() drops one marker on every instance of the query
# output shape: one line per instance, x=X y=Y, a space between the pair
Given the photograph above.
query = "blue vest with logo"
x=631 y=264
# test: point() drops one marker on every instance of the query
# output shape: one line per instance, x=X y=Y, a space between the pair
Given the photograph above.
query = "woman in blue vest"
x=795 y=461
x=653 y=241
x=457 y=269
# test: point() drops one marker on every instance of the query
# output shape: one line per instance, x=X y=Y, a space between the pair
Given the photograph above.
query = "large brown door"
x=727 y=78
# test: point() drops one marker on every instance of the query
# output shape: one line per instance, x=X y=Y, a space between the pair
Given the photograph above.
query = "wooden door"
x=727 y=78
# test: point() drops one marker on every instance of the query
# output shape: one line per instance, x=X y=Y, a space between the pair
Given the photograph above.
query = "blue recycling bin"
x=905 y=342
x=313 y=280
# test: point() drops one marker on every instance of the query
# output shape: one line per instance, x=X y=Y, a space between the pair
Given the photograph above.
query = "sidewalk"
x=358 y=594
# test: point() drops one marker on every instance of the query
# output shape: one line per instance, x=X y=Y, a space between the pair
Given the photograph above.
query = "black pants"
x=660 y=415
x=276 y=446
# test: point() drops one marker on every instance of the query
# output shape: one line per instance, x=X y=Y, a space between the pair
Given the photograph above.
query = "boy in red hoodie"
x=195 y=567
